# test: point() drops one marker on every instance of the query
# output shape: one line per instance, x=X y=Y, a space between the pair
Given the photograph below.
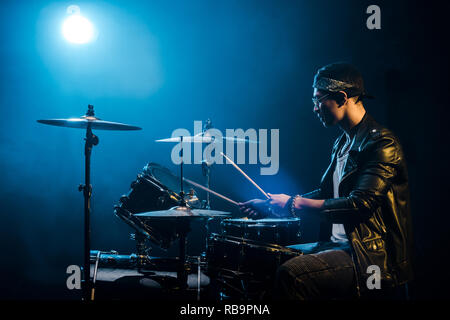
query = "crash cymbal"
x=239 y=140
x=188 y=139
x=82 y=123
x=183 y=212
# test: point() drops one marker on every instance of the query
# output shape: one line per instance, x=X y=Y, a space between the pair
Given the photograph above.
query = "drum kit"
x=241 y=259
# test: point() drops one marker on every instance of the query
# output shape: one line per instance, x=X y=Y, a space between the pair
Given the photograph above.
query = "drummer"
x=363 y=202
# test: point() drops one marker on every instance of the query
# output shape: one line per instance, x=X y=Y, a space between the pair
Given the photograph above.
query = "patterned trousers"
x=327 y=274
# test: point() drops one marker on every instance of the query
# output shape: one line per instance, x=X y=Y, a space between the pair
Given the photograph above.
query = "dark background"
x=161 y=65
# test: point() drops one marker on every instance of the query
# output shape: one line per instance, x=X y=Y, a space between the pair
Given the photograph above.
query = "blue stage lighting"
x=76 y=28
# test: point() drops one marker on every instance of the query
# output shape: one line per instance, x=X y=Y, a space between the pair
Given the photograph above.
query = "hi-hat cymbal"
x=82 y=123
x=183 y=212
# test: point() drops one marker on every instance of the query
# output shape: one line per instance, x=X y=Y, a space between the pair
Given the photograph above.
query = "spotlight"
x=76 y=28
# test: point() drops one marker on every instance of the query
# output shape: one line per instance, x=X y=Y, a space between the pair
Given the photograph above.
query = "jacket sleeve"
x=315 y=194
x=377 y=169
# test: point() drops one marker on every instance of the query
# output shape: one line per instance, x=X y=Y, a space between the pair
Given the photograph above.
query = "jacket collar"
x=360 y=136
x=362 y=130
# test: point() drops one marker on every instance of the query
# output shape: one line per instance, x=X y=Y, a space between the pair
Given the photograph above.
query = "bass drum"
x=245 y=268
x=153 y=190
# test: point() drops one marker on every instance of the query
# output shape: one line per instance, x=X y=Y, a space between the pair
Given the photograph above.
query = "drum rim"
x=262 y=221
x=253 y=243
x=148 y=173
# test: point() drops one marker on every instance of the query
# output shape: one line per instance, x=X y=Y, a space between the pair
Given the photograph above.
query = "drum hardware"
x=141 y=246
x=162 y=239
x=199 y=274
x=94 y=278
x=206 y=171
x=88 y=122
x=183 y=269
x=180 y=217
x=150 y=267
x=153 y=190
x=145 y=264
x=206 y=166
x=209 y=191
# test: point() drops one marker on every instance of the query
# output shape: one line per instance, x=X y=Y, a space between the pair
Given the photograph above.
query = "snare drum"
x=278 y=231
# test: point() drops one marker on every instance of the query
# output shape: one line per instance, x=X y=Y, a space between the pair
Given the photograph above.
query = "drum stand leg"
x=182 y=273
x=199 y=274
x=141 y=247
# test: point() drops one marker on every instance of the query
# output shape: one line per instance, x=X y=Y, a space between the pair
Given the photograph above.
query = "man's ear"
x=341 y=98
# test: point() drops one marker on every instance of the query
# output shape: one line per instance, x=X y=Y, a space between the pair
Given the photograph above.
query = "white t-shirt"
x=338 y=231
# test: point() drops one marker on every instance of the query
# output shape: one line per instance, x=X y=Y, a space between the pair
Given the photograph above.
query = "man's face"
x=327 y=110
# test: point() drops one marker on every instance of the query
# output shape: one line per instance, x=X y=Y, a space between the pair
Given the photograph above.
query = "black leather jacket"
x=373 y=204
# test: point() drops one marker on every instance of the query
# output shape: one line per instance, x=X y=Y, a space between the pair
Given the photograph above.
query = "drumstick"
x=239 y=169
x=209 y=190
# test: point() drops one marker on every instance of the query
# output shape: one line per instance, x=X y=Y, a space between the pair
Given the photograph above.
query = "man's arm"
x=375 y=178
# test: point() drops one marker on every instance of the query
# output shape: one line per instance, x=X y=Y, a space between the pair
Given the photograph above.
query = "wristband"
x=292 y=208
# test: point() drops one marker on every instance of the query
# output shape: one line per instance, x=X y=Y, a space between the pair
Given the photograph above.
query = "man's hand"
x=255 y=209
x=279 y=201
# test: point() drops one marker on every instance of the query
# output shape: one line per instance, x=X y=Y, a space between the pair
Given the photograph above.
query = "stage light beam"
x=77 y=29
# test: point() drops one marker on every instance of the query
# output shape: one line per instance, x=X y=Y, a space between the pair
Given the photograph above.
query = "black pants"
x=327 y=273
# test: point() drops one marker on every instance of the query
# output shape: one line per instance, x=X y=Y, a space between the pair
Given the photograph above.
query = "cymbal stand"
x=206 y=167
x=206 y=171
x=183 y=200
x=91 y=140
x=182 y=229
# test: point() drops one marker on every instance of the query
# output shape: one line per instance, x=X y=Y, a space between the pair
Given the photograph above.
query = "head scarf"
x=333 y=85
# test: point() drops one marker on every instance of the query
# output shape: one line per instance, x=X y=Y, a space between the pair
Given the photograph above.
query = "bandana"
x=331 y=85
